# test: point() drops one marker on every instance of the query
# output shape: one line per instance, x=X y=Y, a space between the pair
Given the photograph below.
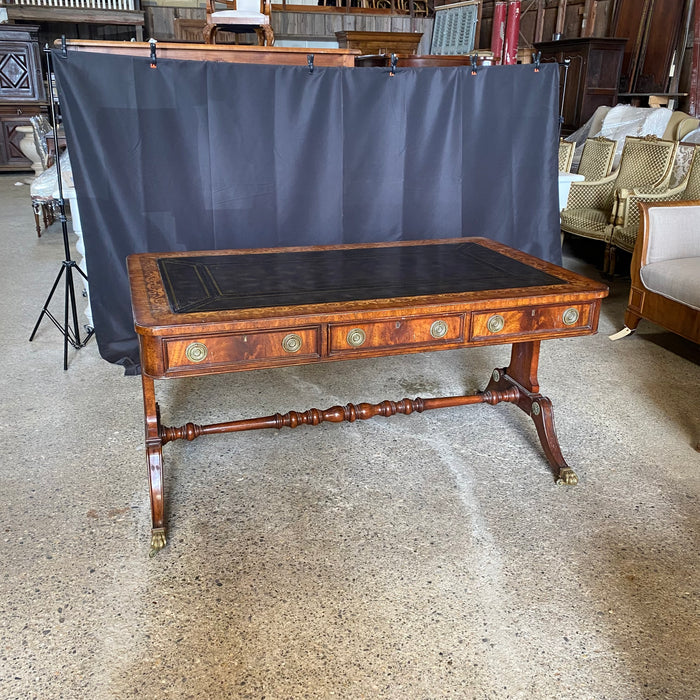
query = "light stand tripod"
x=70 y=327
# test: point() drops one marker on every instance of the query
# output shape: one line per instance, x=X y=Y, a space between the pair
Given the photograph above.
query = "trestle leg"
x=154 y=457
x=521 y=374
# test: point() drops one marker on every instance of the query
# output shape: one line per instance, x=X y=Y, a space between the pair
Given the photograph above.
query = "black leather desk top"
x=230 y=282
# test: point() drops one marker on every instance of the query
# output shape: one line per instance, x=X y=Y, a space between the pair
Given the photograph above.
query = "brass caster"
x=158 y=541
x=567 y=476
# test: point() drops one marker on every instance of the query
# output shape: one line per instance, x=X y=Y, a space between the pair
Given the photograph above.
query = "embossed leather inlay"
x=227 y=282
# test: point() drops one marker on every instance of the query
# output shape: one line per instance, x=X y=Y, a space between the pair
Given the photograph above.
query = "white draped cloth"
x=618 y=122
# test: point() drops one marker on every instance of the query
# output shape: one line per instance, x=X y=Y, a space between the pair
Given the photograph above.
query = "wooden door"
x=659 y=45
x=629 y=22
x=652 y=29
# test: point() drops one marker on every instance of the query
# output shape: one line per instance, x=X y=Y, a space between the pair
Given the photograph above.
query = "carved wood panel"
x=20 y=69
x=11 y=157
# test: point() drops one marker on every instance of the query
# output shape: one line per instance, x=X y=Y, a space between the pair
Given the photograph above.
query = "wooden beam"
x=588 y=22
x=561 y=17
x=539 y=20
x=74 y=15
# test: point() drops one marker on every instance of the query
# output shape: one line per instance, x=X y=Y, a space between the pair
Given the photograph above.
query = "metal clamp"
x=536 y=58
x=154 y=61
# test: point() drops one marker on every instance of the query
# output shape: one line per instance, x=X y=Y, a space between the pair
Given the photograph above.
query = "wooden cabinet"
x=593 y=75
x=11 y=157
x=22 y=93
x=380 y=42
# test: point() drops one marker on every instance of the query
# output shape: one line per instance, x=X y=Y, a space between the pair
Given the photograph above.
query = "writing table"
x=236 y=310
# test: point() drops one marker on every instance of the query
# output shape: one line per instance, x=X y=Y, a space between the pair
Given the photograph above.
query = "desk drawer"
x=242 y=348
x=545 y=320
x=395 y=333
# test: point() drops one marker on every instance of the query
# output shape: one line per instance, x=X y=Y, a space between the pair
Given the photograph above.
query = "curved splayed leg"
x=522 y=374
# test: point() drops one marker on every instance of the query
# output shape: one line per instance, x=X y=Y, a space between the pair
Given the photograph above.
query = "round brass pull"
x=496 y=323
x=356 y=337
x=292 y=342
x=438 y=329
x=570 y=317
x=196 y=352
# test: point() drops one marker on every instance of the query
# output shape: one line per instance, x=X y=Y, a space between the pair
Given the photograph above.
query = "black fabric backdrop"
x=203 y=155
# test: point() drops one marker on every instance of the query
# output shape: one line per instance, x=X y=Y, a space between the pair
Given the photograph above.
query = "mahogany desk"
x=237 y=310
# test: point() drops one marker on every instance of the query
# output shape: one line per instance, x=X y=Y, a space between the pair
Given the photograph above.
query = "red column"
x=498 y=31
x=510 y=46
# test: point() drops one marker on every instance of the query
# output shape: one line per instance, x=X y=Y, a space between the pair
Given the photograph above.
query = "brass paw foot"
x=158 y=540
x=567 y=476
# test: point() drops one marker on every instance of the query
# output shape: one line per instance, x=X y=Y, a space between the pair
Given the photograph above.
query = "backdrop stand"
x=70 y=328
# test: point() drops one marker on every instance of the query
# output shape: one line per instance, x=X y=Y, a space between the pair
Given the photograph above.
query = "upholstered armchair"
x=597 y=158
x=665 y=270
x=591 y=208
x=566 y=155
x=241 y=14
x=624 y=233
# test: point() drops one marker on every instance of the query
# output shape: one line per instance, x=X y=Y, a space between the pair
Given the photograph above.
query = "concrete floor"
x=429 y=556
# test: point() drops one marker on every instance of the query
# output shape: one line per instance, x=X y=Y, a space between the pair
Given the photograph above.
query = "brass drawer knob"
x=438 y=329
x=196 y=352
x=496 y=323
x=356 y=337
x=292 y=342
x=570 y=317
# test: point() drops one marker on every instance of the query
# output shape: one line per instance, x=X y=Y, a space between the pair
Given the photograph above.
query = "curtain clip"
x=472 y=60
x=536 y=57
x=64 y=47
x=154 y=61
x=310 y=62
x=394 y=62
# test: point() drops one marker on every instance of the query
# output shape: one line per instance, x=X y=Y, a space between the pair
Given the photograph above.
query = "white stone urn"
x=28 y=148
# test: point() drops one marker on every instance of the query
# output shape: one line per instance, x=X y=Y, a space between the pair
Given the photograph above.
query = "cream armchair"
x=665 y=270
